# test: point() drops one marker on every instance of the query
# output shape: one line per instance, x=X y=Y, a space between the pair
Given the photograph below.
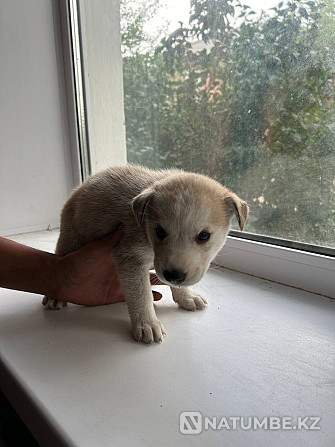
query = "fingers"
x=107 y=243
x=157 y=295
x=155 y=281
x=115 y=237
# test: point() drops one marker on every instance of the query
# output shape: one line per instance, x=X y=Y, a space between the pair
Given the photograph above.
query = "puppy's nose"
x=174 y=276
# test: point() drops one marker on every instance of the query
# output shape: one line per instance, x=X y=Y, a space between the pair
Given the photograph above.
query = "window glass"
x=243 y=94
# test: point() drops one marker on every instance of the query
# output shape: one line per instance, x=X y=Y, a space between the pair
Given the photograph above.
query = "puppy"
x=173 y=220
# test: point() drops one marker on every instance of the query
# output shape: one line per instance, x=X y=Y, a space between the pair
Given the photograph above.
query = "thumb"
x=110 y=241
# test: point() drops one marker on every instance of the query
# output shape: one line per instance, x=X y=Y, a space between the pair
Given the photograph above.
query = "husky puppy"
x=173 y=221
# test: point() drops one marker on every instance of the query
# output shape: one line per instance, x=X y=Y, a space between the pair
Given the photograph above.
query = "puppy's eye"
x=161 y=233
x=203 y=236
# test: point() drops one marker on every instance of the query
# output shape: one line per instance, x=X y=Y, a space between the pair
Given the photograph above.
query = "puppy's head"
x=187 y=218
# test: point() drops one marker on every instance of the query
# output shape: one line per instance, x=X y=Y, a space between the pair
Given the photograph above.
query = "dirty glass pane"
x=242 y=94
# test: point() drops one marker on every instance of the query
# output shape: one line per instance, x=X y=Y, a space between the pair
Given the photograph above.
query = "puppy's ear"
x=140 y=204
x=238 y=207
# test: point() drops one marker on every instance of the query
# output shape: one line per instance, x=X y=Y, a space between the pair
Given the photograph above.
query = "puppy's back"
x=103 y=201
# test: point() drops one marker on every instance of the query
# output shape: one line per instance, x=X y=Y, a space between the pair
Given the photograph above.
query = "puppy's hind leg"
x=68 y=241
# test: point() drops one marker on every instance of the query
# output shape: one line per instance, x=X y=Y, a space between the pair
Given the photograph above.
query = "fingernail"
x=120 y=227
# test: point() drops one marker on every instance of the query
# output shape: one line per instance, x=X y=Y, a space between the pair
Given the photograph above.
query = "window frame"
x=311 y=272
x=94 y=94
x=292 y=264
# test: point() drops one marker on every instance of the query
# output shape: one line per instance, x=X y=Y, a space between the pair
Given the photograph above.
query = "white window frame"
x=308 y=271
x=91 y=47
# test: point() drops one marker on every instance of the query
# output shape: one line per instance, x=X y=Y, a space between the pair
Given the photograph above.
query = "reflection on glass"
x=244 y=96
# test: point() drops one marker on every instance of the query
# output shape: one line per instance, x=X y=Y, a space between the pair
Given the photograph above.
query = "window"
x=244 y=95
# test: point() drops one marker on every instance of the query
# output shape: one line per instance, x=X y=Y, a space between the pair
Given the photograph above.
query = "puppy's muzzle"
x=174 y=276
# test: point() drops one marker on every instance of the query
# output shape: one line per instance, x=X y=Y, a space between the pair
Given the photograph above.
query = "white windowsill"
x=260 y=349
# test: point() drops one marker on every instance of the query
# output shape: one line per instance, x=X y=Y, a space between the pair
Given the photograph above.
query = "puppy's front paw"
x=189 y=300
x=148 y=331
x=50 y=303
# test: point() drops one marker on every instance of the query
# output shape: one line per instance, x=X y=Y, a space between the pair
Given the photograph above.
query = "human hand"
x=88 y=276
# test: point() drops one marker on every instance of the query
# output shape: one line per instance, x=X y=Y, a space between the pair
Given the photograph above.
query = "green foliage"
x=249 y=102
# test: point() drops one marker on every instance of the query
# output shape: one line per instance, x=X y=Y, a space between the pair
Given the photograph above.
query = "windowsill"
x=260 y=349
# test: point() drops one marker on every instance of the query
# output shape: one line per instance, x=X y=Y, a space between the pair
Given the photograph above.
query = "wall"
x=35 y=170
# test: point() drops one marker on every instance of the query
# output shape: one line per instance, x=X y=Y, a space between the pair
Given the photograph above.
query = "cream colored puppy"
x=173 y=220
